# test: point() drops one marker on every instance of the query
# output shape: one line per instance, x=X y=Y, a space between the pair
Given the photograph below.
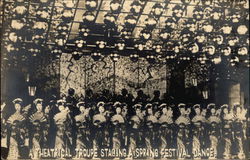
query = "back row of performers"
x=145 y=127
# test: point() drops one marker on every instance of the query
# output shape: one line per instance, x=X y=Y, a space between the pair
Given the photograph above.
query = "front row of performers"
x=222 y=129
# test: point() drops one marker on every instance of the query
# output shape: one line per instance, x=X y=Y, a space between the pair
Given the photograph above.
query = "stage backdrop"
x=104 y=74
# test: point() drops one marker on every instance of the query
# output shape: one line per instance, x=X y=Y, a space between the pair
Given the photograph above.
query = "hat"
x=224 y=106
x=38 y=101
x=17 y=100
x=149 y=105
x=197 y=106
x=163 y=105
x=79 y=104
x=137 y=106
x=181 y=105
x=99 y=104
x=117 y=104
x=61 y=102
x=211 y=105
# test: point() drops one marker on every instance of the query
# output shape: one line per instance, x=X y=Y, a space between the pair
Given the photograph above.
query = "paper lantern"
x=115 y=6
x=91 y=5
x=88 y=18
x=145 y=34
x=150 y=23
x=177 y=12
x=63 y=28
x=84 y=30
x=198 y=13
x=67 y=15
x=136 y=7
x=164 y=35
x=109 y=20
x=130 y=21
x=157 y=10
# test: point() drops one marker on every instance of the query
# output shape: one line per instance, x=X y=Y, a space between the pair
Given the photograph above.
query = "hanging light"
x=193 y=48
x=115 y=57
x=198 y=13
x=96 y=56
x=115 y=6
x=27 y=79
x=67 y=15
x=184 y=58
x=101 y=44
x=145 y=34
x=120 y=45
x=88 y=18
x=76 y=55
x=91 y=5
x=150 y=23
x=130 y=21
x=226 y=28
x=151 y=58
x=157 y=47
x=34 y=50
x=139 y=45
x=32 y=90
x=136 y=7
x=56 y=52
x=177 y=12
x=83 y=30
x=134 y=57
x=164 y=35
x=63 y=28
x=109 y=20
x=79 y=42
x=205 y=94
x=60 y=40
x=126 y=33
x=157 y=10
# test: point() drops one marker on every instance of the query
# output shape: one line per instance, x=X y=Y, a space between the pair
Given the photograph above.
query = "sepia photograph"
x=125 y=79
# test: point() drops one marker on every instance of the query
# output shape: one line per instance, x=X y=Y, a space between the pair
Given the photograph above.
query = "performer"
x=239 y=128
x=99 y=122
x=63 y=125
x=214 y=131
x=39 y=126
x=18 y=131
x=150 y=131
x=227 y=119
x=4 y=148
x=166 y=127
x=135 y=125
x=82 y=127
x=183 y=135
x=118 y=124
x=198 y=132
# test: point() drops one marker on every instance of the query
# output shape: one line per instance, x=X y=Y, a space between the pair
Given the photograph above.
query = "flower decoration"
x=209 y=49
x=178 y=47
x=216 y=15
x=130 y=21
x=232 y=40
x=42 y=14
x=234 y=16
x=63 y=28
x=115 y=57
x=88 y=18
x=164 y=35
x=19 y=11
x=193 y=48
x=243 y=29
x=68 y=3
x=60 y=40
x=150 y=23
x=134 y=57
x=136 y=7
x=120 y=45
x=91 y=5
x=76 y=55
x=145 y=34
x=96 y=56
x=13 y=37
x=198 y=13
x=67 y=15
x=79 y=42
x=109 y=20
x=126 y=33
x=242 y=51
x=83 y=30
x=178 y=12
x=217 y=39
x=157 y=10
x=40 y=27
x=101 y=44
x=207 y=27
x=115 y=6
x=17 y=24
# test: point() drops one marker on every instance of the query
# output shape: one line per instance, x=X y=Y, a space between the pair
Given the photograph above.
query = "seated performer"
x=39 y=128
x=18 y=131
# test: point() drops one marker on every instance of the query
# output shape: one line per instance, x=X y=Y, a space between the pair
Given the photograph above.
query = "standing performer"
x=166 y=127
x=17 y=129
x=214 y=129
x=183 y=136
x=239 y=128
x=135 y=125
x=227 y=119
x=83 y=127
x=63 y=124
x=118 y=127
x=99 y=121
x=150 y=132
x=38 y=126
x=198 y=132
